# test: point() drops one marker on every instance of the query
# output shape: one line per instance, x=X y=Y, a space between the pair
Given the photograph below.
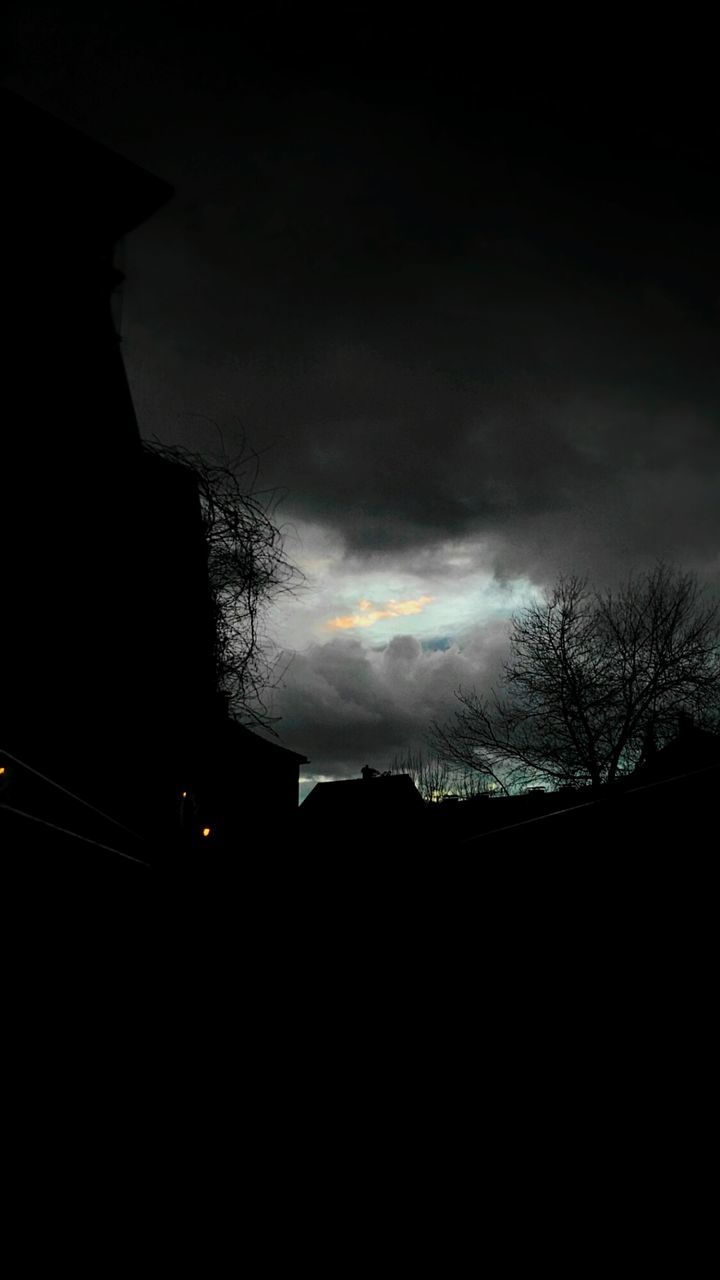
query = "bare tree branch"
x=590 y=675
x=437 y=776
x=248 y=571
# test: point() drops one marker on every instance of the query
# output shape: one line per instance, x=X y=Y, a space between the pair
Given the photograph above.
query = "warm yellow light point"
x=2 y=770
x=206 y=831
x=184 y=795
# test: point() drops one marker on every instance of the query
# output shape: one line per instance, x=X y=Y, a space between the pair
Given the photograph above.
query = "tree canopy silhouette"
x=248 y=570
x=593 y=677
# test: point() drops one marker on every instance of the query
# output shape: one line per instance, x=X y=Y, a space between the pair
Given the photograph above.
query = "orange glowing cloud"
x=369 y=614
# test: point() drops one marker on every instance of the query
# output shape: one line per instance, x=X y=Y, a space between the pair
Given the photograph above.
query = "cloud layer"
x=444 y=341
x=345 y=704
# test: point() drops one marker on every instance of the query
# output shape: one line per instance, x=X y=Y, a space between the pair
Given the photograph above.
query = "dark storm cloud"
x=345 y=705
x=464 y=412
x=445 y=338
x=453 y=310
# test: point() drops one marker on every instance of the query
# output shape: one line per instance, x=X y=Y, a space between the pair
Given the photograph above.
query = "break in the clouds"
x=440 y=591
x=369 y=614
x=358 y=694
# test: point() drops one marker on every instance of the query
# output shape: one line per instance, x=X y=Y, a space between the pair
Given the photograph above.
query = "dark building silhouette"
x=372 y=812
x=242 y=789
x=106 y=642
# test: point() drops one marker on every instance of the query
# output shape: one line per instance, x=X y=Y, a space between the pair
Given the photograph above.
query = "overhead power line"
x=59 y=787
x=74 y=835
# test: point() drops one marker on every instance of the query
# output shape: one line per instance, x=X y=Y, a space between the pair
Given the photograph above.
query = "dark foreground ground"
x=513 y=1037
x=636 y=854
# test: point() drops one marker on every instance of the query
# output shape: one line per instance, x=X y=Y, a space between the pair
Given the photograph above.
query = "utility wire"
x=71 y=794
x=73 y=834
x=590 y=804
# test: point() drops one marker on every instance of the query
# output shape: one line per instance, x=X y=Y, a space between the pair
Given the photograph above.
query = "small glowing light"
x=206 y=831
x=184 y=795
x=2 y=770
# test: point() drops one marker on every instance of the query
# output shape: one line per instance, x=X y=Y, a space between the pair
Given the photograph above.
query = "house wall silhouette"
x=383 y=812
x=244 y=788
x=106 y=638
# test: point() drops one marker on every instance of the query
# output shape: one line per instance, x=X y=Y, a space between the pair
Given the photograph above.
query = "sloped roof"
x=60 y=179
x=242 y=740
x=375 y=799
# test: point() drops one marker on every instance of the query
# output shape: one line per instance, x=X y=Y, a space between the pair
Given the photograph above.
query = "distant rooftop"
x=387 y=797
x=243 y=739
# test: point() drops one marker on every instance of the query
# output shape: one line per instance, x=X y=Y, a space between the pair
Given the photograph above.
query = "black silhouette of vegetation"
x=248 y=570
x=593 y=678
x=437 y=777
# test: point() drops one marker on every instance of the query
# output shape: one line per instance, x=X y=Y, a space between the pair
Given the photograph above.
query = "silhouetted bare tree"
x=248 y=570
x=591 y=675
x=436 y=776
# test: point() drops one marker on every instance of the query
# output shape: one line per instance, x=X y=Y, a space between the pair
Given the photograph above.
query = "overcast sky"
x=467 y=308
